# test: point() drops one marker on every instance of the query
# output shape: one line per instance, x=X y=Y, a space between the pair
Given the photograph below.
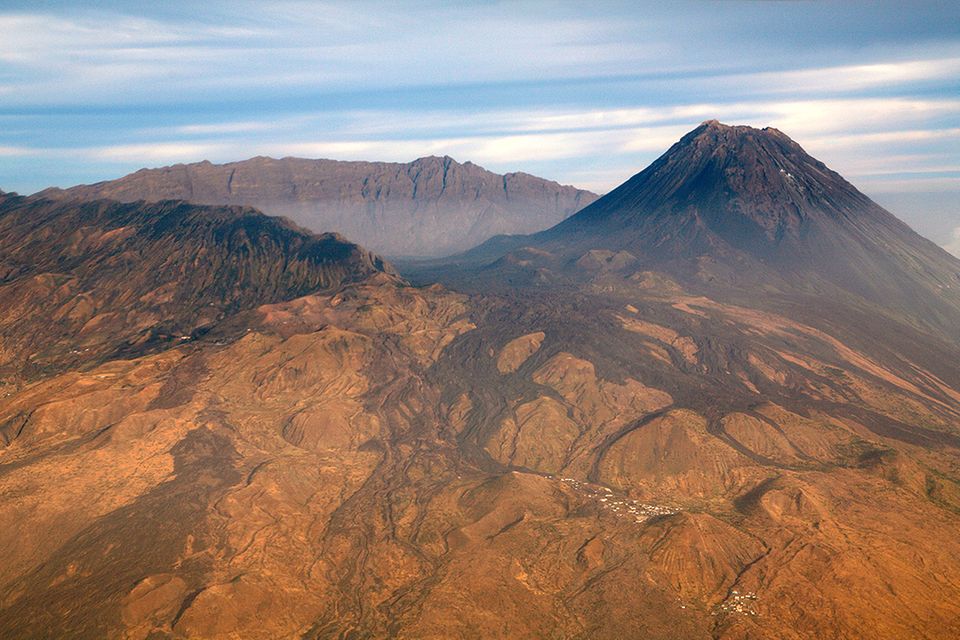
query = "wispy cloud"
x=153 y=153
x=846 y=78
x=77 y=55
x=848 y=132
x=14 y=151
x=226 y=128
x=918 y=185
x=953 y=246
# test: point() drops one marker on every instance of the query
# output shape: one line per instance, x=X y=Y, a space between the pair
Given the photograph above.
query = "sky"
x=583 y=93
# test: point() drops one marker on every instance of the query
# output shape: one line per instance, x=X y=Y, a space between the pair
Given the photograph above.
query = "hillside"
x=81 y=282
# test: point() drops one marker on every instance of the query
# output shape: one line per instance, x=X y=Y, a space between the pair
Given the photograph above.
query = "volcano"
x=744 y=211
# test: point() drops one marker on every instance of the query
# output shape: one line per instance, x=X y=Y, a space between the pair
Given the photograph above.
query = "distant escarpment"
x=84 y=281
x=429 y=207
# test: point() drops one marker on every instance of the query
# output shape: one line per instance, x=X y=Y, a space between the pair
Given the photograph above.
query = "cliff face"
x=430 y=207
x=81 y=281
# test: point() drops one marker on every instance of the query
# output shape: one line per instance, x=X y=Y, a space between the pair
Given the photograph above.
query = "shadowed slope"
x=738 y=193
x=83 y=281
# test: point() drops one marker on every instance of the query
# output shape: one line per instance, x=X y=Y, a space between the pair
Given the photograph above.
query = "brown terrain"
x=85 y=282
x=588 y=440
x=429 y=207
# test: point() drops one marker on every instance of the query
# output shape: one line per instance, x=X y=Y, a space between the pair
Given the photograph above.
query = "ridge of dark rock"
x=80 y=281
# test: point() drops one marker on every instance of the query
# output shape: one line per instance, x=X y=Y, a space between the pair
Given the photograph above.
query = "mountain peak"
x=716 y=125
x=718 y=133
x=753 y=183
x=754 y=204
x=444 y=159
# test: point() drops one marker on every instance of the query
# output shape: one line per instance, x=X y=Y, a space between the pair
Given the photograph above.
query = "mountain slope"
x=428 y=207
x=749 y=210
x=737 y=191
x=364 y=464
x=675 y=437
x=84 y=281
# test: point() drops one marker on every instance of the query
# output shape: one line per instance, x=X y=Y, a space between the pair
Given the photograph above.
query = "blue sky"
x=583 y=93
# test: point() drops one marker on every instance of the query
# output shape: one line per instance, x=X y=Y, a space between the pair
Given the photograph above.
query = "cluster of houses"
x=638 y=511
x=741 y=603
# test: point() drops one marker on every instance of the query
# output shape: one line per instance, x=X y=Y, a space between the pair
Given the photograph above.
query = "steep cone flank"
x=753 y=187
x=737 y=176
x=748 y=207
